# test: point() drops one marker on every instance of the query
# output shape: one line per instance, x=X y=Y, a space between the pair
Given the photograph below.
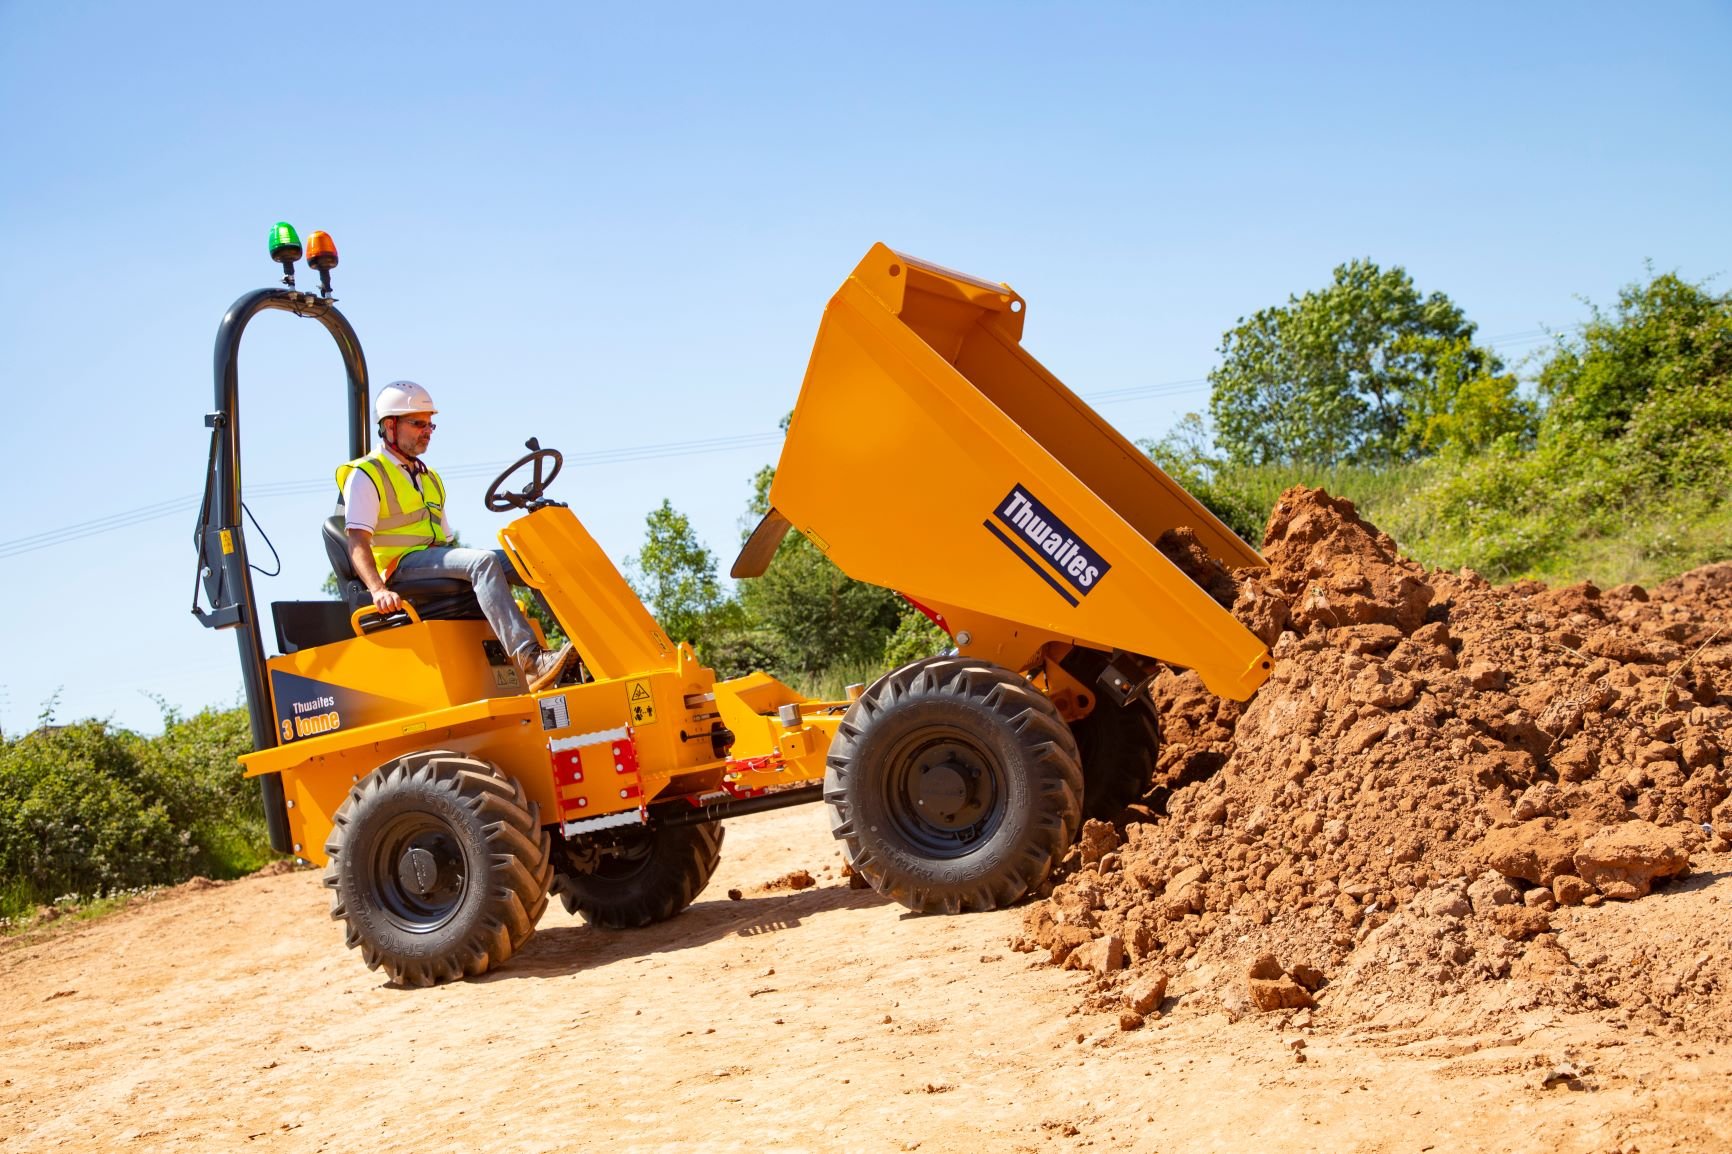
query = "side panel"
x=384 y=675
x=580 y=751
x=600 y=613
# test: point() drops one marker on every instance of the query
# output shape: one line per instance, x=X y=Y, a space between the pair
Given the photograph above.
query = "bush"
x=87 y=810
x=737 y=654
x=1633 y=461
x=194 y=765
x=79 y=815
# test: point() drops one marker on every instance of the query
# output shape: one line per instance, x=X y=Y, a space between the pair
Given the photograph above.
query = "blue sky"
x=614 y=227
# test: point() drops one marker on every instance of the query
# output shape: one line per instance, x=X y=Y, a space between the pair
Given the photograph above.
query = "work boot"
x=542 y=667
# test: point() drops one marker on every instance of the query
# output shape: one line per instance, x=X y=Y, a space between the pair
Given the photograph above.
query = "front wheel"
x=438 y=867
x=954 y=785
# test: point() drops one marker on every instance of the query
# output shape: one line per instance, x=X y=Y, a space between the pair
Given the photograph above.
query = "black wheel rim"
x=420 y=873
x=943 y=791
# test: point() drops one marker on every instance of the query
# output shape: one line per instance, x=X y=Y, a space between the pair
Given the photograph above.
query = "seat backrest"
x=433 y=597
x=336 y=535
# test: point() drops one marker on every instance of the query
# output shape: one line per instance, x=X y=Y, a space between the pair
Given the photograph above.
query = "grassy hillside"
x=1516 y=522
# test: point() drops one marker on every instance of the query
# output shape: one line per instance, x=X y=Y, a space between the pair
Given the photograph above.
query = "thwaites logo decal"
x=1028 y=528
x=309 y=708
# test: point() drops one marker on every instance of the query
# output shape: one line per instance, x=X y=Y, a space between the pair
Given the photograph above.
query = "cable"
x=624 y=454
x=274 y=555
x=66 y=534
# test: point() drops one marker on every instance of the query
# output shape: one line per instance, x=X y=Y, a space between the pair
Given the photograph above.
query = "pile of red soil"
x=1434 y=797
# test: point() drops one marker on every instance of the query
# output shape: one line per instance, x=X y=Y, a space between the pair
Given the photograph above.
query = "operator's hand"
x=385 y=601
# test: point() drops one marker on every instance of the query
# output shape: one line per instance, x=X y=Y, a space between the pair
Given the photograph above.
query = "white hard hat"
x=401 y=397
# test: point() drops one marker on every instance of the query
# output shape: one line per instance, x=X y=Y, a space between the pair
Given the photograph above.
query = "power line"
x=66 y=534
x=623 y=454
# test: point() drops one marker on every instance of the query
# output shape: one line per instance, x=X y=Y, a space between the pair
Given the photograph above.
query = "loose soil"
x=1456 y=879
x=1429 y=805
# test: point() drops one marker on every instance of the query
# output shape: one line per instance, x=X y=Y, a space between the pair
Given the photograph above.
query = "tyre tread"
x=1047 y=742
x=520 y=852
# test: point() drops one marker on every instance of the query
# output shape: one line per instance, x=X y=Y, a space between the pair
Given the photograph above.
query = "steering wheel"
x=499 y=499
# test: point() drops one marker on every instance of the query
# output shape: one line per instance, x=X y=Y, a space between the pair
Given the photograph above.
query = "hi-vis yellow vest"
x=409 y=518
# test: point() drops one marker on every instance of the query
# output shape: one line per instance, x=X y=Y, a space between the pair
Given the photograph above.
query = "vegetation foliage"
x=1614 y=460
x=803 y=620
x=90 y=810
x=1365 y=371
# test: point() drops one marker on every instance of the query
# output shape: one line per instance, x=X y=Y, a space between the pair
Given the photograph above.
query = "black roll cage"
x=223 y=571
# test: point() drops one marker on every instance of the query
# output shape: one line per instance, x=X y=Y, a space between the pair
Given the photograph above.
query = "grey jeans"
x=492 y=575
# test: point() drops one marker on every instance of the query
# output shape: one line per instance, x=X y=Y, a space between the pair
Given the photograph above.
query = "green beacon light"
x=286 y=249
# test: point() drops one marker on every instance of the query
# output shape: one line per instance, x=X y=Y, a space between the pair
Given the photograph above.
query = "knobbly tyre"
x=928 y=453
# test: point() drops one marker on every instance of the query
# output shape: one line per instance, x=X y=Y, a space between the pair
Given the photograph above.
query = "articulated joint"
x=1126 y=677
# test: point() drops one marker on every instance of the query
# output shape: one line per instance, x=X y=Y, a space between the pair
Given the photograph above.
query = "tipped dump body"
x=931 y=454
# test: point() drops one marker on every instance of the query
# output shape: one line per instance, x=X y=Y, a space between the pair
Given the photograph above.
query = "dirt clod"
x=1146 y=993
x=1623 y=861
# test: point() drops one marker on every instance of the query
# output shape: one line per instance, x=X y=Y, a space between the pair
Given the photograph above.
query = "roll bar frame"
x=223 y=572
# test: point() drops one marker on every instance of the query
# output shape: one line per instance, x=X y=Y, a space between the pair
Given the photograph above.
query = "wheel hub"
x=943 y=791
x=946 y=794
x=418 y=872
x=421 y=874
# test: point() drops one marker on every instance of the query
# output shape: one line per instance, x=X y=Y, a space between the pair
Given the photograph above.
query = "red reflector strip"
x=567 y=760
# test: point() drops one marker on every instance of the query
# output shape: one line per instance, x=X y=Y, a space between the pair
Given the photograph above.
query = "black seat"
x=434 y=598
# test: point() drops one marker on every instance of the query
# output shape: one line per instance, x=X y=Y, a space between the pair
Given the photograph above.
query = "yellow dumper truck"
x=928 y=453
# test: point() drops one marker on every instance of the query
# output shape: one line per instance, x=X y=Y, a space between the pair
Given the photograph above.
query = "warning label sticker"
x=553 y=713
x=641 y=705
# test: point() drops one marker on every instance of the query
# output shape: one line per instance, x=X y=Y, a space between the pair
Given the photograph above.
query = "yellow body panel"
x=556 y=554
x=921 y=420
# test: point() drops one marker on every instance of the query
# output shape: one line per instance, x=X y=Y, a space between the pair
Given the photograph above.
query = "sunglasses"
x=418 y=423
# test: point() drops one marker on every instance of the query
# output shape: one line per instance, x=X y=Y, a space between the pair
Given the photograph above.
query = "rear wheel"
x=439 y=868
x=1118 y=745
x=639 y=875
x=954 y=785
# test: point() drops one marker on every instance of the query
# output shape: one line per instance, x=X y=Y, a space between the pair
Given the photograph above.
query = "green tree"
x=676 y=576
x=1359 y=372
x=819 y=615
x=1466 y=405
x=1653 y=375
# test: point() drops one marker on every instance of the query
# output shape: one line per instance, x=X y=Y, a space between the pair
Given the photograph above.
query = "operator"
x=394 y=511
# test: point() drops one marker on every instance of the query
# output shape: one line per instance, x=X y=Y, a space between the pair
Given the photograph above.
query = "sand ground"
x=230 y=1018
